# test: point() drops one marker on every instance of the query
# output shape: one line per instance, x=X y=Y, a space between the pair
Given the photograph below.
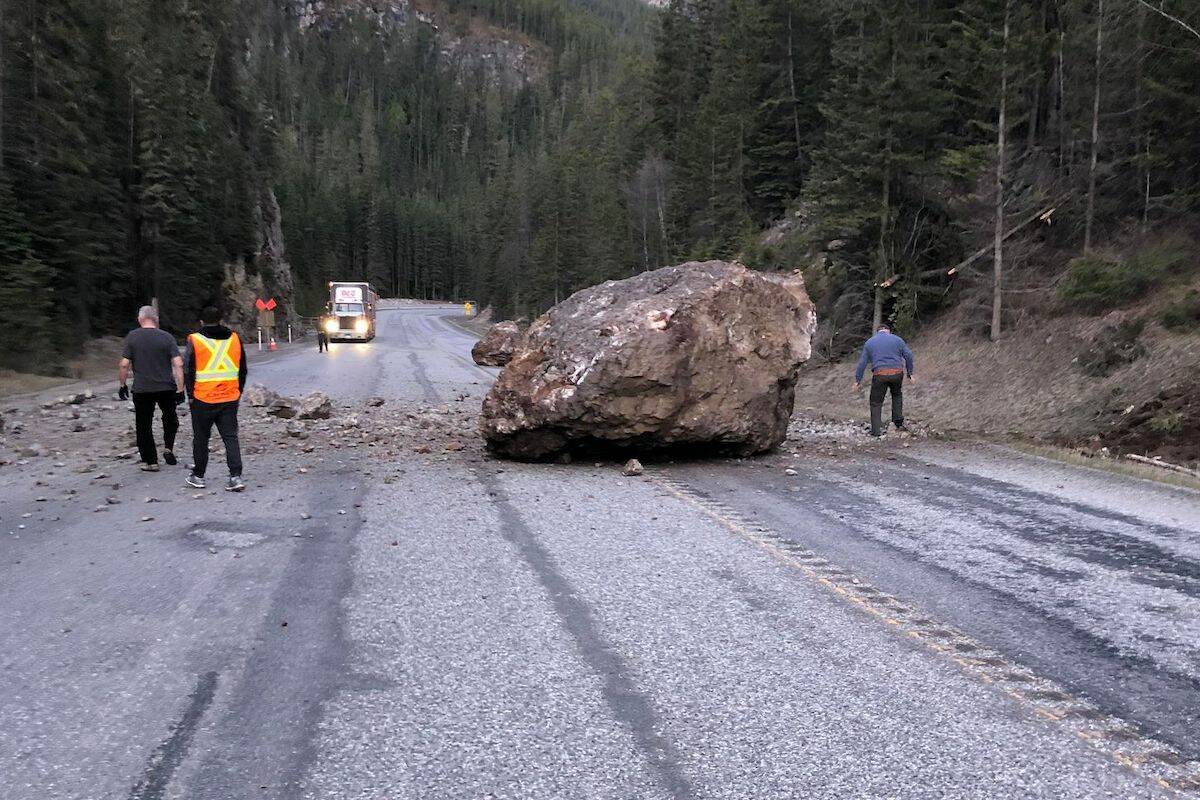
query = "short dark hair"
x=883 y=327
x=210 y=314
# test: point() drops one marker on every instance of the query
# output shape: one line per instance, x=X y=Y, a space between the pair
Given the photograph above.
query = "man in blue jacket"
x=890 y=361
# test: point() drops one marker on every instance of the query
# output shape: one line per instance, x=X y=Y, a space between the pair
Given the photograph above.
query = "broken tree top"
x=702 y=356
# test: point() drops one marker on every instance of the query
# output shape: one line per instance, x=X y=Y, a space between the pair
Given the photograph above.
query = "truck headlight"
x=331 y=326
x=360 y=325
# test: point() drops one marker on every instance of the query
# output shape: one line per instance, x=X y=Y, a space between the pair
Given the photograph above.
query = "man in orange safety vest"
x=214 y=375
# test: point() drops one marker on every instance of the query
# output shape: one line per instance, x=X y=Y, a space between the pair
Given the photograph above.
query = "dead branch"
x=1162 y=12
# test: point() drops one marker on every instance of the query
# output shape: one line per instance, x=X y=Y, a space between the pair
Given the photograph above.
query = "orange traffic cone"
x=273 y=346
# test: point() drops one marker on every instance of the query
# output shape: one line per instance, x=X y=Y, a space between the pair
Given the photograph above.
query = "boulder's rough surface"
x=702 y=356
x=282 y=407
x=258 y=395
x=316 y=406
x=497 y=346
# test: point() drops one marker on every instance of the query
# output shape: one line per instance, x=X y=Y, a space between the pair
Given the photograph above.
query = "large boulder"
x=700 y=357
x=497 y=346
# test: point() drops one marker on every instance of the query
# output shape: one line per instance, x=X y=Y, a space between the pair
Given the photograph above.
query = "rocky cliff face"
x=324 y=14
x=504 y=57
x=265 y=274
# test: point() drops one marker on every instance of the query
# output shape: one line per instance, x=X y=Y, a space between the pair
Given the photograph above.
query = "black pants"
x=880 y=386
x=143 y=407
x=322 y=341
x=224 y=416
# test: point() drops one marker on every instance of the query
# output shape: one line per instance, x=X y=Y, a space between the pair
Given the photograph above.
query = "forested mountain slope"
x=145 y=144
x=513 y=151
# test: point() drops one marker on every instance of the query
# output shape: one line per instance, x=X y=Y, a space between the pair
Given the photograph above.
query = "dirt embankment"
x=1035 y=384
x=97 y=362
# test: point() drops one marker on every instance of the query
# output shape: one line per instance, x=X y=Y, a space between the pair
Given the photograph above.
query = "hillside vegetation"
x=910 y=156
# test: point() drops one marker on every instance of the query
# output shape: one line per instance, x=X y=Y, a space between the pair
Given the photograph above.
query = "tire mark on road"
x=1110 y=735
x=627 y=703
x=168 y=756
x=431 y=394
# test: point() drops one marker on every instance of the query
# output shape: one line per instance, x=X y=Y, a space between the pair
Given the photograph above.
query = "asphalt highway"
x=938 y=621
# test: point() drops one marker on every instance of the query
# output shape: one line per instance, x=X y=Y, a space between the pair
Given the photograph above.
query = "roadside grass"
x=1115 y=466
x=21 y=383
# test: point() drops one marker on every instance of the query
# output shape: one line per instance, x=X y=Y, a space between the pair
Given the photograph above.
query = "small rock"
x=633 y=468
x=147 y=519
x=258 y=395
x=375 y=402
x=790 y=471
x=316 y=406
x=113 y=501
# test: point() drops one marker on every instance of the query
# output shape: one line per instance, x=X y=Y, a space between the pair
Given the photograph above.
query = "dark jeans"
x=143 y=407
x=880 y=386
x=322 y=341
x=224 y=416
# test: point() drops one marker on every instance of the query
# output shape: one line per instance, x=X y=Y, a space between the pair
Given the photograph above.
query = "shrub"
x=1114 y=347
x=1159 y=262
x=1096 y=284
x=1183 y=314
x=1166 y=423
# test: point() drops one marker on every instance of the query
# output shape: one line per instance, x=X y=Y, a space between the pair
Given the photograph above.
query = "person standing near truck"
x=890 y=359
x=153 y=357
x=322 y=334
x=215 y=375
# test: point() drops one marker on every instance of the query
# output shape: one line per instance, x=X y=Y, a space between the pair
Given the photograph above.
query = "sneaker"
x=169 y=457
x=236 y=484
x=149 y=468
x=194 y=481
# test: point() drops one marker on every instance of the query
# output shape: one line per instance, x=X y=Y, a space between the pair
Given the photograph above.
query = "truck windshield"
x=347 y=308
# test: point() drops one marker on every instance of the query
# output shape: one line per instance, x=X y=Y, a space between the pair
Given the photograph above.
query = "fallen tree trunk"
x=1154 y=462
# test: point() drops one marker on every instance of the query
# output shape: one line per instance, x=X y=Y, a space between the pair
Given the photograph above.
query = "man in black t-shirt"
x=157 y=381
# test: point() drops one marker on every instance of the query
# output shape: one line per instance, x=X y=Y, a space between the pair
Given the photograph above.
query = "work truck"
x=351 y=312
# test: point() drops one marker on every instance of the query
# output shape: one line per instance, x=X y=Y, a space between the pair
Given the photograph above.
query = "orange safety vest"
x=218 y=362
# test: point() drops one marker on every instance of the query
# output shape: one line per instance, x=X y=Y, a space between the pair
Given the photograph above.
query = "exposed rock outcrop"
x=497 y=346
x=266 y=274
x=701 y=356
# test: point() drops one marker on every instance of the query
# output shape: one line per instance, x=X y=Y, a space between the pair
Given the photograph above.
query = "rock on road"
x=932 y=621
